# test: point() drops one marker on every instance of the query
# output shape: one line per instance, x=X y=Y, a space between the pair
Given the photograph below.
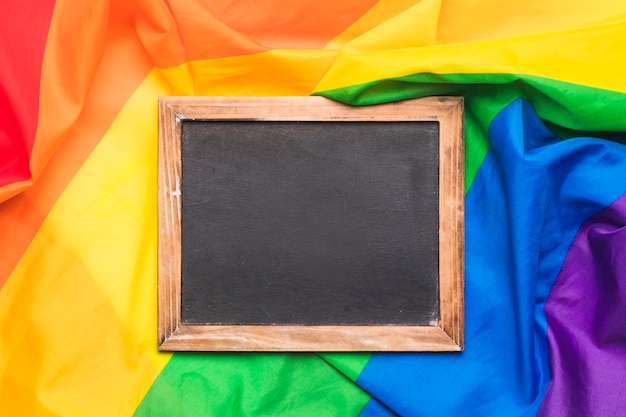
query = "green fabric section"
x=251 y=384
x=568 y=109
x=349 y=364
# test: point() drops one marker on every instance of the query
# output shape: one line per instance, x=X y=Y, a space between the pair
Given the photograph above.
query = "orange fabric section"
x=201 y=34
x=305 y=24
x=190 y=31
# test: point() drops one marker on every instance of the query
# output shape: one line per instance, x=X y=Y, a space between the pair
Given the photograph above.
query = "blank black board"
x=309 y=223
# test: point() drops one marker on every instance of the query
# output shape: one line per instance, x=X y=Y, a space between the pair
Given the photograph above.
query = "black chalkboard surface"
x=309 y=223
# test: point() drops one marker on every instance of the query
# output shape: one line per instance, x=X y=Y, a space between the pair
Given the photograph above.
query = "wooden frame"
x=445 y=335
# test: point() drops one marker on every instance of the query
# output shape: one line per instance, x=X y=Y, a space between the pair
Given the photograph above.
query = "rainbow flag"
x=545 y=90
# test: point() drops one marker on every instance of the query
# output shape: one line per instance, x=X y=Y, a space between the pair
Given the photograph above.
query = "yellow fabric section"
x=413 y=28
x=528 y=39
x=274 y=73
x=472 y=20
x=79 y=310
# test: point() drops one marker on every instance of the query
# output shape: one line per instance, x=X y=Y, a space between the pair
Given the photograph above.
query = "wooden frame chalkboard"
x=303 y=224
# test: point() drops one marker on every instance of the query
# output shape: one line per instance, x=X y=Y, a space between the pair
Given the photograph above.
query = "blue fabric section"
x=531 y=194
x=375 y=409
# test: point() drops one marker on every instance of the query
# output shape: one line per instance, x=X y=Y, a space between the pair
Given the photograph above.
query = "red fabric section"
x=22 y=44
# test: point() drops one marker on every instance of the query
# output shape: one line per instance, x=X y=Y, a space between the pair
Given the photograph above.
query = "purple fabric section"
x=586 y=313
